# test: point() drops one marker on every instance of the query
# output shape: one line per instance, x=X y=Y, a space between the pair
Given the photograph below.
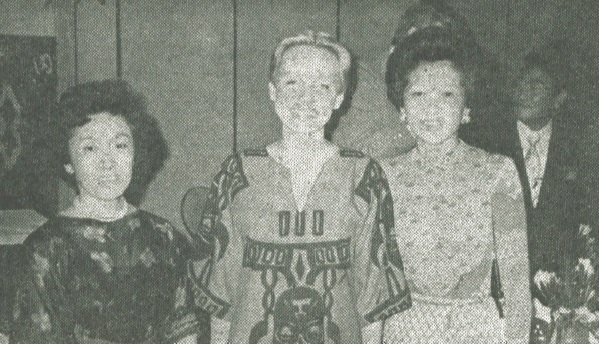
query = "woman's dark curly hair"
x=426 y=45
x=116 y=97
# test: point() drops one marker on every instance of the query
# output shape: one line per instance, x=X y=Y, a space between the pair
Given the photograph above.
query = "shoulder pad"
x=255 y=152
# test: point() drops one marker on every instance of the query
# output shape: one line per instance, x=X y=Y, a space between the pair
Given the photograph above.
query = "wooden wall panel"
x=489 y=20
x=179 y=54
x=262 y=23
x=31 y=18
x=64 y=24
x=367 y=28
x=96 y=40
x=64 y=29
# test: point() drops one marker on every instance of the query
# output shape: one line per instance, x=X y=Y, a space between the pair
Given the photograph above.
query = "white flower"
x=586 y=265
x=584 y=229
x=94 y=233
x=103 y=260
x=543 y=277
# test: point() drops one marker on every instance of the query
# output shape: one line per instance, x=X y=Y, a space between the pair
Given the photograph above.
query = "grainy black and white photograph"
x=299 y=171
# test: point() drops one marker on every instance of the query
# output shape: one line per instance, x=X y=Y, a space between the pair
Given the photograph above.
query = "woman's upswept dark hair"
x=427 y=12
x=430 y=44
x=117 y=97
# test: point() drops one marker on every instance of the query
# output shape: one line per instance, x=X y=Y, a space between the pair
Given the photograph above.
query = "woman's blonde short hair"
x=321 y=40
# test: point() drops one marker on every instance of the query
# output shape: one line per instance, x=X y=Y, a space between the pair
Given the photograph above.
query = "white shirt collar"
x=524 y=132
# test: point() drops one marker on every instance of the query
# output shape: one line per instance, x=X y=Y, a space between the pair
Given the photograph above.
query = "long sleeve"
x=509 y=220
x=378 y=269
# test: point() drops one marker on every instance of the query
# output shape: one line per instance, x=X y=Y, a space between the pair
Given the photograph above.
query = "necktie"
x=534 y=170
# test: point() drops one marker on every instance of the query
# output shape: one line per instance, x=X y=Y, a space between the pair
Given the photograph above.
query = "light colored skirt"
x=431 y=322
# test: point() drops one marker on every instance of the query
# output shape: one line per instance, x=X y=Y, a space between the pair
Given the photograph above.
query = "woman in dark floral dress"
x=103 y=271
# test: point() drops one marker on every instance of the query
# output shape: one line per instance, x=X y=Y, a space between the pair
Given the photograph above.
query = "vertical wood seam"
x=338 y=21
x=119 y=56
x=75 y=42
x=234 y=76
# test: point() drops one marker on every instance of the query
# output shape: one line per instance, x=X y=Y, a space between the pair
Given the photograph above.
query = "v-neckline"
x=289 y=179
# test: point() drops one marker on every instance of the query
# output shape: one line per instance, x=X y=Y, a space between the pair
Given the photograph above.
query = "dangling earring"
x=402 y=116
x=465 y=117
x=69 y=168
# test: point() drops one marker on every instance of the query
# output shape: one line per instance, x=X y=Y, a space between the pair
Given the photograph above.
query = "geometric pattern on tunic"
x=299 y=265
x=384 y=252
x=229 y=180
x=292 y=282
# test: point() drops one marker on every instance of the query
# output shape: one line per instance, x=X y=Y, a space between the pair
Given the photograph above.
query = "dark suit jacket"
x=553 y=223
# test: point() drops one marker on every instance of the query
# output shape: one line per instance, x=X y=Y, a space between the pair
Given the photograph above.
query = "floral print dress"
x=445 y=212
x=90 y=281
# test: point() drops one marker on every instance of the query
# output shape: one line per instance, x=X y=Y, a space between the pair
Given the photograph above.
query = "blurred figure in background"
x=544 y=144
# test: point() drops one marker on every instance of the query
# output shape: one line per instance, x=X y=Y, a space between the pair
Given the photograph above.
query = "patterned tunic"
x=319 y=274
x=105 y=282
x=445 y=212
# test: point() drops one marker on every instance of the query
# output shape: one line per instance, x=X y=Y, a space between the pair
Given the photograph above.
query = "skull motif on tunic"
x=299 y=317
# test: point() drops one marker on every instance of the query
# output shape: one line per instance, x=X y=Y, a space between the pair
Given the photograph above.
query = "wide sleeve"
x=215 y=280
x=378 y=272
x=44 y=312
x=509 y=220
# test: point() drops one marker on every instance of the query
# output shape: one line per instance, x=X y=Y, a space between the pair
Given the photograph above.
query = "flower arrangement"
x=570 y=297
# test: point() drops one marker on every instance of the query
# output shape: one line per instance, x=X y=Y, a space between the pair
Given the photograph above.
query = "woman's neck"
x=293 y=140
x=441 y=149
x=97 y=208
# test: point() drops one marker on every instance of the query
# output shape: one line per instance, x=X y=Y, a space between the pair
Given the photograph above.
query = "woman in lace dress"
x=456 y=208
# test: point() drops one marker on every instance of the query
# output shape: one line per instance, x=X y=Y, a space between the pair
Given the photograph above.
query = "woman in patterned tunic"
x=103 y=271
x=456 y=209
x=304 y=246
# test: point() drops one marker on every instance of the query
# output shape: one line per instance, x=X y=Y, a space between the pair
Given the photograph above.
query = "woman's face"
x=101 y=154
x=434 y=102
x=306 y=90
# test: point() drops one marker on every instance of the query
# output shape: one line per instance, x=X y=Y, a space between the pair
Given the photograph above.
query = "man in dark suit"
x=545 y=151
